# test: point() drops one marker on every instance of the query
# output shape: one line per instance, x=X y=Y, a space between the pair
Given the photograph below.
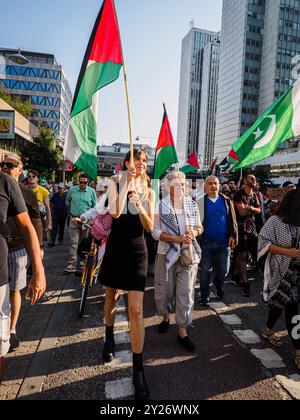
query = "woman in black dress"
x=125 y=264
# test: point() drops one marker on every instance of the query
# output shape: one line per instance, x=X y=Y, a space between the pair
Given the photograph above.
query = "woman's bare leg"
x=110 y=306
x=137 y=332
x=136 y=316
x=110 y=310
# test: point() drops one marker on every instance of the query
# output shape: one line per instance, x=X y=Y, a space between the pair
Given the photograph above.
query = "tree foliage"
x=42 y=155
x=24 y=108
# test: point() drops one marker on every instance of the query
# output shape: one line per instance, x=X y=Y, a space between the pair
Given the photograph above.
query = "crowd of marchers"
x=202 y=233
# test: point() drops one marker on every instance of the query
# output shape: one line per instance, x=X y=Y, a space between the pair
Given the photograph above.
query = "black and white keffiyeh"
x=170 y=225
x=275 y=232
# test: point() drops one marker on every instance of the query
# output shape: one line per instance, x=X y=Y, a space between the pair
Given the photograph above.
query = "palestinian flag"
x=101 y=66
x=192 y=164
x=279 y=123
x=166 y=154
x=212 y=168
x=229 y=162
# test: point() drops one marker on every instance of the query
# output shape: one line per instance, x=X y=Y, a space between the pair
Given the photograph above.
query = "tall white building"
x=209 y=94
x=260 y=39
x=190 y=90
x=240 y=66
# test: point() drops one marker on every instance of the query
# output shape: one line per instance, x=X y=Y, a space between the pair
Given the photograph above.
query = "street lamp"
x=19 y=58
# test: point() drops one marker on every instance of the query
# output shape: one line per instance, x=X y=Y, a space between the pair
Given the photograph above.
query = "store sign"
x=7 y=125
x=66 y=166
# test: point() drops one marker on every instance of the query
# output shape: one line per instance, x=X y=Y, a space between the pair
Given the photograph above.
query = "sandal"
x=272 y=338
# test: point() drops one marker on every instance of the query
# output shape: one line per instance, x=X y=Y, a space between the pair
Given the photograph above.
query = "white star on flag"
x=258 y=133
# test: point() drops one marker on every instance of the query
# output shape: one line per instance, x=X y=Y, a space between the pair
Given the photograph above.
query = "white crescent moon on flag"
x=269 y=135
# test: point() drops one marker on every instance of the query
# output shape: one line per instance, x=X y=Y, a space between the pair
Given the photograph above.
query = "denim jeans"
x=215 y=263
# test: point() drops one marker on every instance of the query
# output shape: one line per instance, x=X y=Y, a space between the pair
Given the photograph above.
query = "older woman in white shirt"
x=177 y=225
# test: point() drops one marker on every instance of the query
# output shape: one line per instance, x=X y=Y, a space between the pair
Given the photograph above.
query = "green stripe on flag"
x=97 y=76
x=85 y=129
x=188 y=169
x=166 y=157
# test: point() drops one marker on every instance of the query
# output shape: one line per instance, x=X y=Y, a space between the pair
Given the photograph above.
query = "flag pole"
x=127 y=97
x=129 y=115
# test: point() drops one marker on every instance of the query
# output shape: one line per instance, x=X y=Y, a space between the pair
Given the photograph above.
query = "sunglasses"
x=8 y=165
x=83 y=183
x=32 y=176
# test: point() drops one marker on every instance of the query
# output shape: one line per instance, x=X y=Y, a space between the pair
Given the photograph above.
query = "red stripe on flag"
x=233 y=155
x=193 y=160
x=107 y=43
x=165 y=136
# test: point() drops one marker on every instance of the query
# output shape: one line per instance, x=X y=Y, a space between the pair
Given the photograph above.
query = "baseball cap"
x=13 y=159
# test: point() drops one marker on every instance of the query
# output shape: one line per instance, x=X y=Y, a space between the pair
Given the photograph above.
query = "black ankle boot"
x=141 y=387
x=109 y=350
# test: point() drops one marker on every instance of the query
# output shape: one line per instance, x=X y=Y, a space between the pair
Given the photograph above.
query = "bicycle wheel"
x=85 y=286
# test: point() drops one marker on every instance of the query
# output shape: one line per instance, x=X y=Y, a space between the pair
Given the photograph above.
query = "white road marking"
x=269 y=358
x=122 y=338
x=247 y=336
x=219 y=307
x=122 y=388
x=231 y=319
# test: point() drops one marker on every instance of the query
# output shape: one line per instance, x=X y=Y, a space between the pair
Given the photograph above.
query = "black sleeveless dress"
x=125 y=263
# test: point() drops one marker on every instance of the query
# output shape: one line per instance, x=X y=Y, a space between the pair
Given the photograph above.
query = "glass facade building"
x=42 y=83
x=188 y=127
x=260 y=39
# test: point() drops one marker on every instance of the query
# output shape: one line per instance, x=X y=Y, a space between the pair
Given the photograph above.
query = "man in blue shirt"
x=80 y=200
x=59 y=215
x=219 y=238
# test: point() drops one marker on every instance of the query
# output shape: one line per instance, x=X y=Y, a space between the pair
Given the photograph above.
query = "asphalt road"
x=60 y=358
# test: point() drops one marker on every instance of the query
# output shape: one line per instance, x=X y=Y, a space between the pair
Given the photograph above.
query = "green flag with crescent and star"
x=281 y=122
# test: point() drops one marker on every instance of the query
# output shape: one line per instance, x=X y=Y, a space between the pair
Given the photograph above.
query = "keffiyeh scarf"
x=275 y=232
x=170 y=225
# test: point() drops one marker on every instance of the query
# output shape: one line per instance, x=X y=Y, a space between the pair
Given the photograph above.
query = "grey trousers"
x=76 y=235
x=174 y=290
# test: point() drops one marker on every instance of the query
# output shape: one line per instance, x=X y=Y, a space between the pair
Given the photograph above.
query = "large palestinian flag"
x=166 y=154
x=101 y=66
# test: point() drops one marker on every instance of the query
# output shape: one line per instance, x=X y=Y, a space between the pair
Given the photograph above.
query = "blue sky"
x=151 y=31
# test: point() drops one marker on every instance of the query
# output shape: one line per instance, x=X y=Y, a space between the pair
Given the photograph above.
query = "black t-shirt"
x=247 y=223
x=11 y=204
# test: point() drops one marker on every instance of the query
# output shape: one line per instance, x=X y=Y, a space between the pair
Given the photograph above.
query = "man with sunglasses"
x=12 y=205
x=80 y=200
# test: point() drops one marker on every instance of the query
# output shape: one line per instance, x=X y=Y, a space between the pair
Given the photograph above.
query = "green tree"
x=42 y=155
x=24 y=108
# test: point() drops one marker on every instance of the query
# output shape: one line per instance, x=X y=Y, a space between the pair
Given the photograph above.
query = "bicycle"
x=90 y=272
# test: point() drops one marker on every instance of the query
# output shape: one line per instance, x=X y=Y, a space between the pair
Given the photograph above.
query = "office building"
x=209 y=96
x=188 y=128
x=260 y=42
x=41 y=82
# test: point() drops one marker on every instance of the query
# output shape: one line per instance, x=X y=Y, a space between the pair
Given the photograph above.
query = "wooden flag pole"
x=129 y=116
x=127 y=100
